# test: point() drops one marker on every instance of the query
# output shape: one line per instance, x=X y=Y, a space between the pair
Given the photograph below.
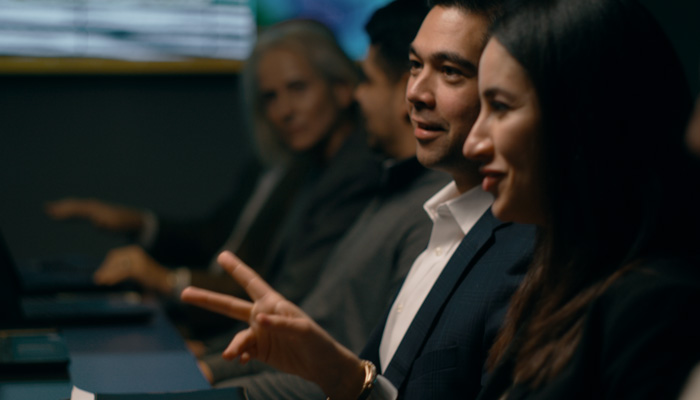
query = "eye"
x=452 y=74
x=414 y=66
x=498 y=106
x=267 y=97
x=450 y=71
x=298 y=86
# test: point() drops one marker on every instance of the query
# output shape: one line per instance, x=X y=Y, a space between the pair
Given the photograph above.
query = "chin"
x=427 y=158
x=428 y=162
x=498 y=213
x=502 y=211
x=300 y=146
x=505 y=214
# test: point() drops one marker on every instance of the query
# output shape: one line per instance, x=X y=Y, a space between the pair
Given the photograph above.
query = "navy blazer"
x=443 y=352
x=639 y=340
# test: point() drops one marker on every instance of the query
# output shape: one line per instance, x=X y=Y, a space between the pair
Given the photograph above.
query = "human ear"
x=693 y=133
x=399 y=104
x=344 y=94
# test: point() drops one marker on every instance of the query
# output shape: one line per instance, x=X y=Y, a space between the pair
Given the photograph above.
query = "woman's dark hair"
x=619 y=184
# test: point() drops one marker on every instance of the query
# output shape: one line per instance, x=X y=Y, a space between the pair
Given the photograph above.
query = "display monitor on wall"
x=346 y=18
x=213 y=34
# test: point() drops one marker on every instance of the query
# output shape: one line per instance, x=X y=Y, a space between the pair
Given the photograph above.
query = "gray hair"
x=310 y=39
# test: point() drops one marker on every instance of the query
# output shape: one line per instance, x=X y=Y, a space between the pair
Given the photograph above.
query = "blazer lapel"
x=455 y=270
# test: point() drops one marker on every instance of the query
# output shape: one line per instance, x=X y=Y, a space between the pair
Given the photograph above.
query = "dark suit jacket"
x=325 y=208
x=307 y=213
x=330 y=198
x=359 y=279
x=443 y=352
x=640 y=340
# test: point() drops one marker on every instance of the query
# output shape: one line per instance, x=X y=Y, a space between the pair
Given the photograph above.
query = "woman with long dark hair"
x=581 y=133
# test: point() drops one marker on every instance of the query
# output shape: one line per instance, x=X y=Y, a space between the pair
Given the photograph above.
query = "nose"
x=419 y=91
x=479 y=145
x=281 y=109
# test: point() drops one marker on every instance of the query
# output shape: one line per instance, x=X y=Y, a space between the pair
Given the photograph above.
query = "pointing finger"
x=244 y=342
x=253 y=284
x=219 y=303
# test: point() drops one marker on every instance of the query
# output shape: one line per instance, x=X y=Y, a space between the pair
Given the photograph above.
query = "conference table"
x=141 y=357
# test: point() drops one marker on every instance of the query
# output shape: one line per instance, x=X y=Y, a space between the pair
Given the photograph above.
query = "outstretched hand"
x=132 y=263
x=280 y=333
x=103 y=215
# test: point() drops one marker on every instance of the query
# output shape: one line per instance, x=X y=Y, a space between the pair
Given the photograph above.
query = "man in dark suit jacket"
x=442 y=354
x=455 y=309
x=434 y=339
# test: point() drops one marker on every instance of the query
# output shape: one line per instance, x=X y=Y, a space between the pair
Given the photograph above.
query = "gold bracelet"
x=370 y=379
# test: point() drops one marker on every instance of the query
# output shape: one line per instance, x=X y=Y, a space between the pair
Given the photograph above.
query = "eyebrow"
x=452 y=57
x=495 y=90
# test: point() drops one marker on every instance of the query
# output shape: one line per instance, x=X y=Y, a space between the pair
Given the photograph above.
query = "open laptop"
x=69 y=273
x=21 y=309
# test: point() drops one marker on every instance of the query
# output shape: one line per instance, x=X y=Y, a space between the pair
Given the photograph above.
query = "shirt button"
x=399 y=307
x=438 y=251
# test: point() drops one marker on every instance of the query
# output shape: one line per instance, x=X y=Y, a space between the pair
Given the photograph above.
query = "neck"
x=336 y=139
x=404 y=144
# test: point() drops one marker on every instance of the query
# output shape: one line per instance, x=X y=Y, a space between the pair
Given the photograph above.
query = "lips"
x=293 y=131
x=427 y=130
x=491 y=180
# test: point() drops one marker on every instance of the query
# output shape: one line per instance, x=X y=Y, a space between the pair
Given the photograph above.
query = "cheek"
x=694 y=130
x=320 y=115
x=519 y=157
x=368 y=102
x=273 y=116
x=523 y=163
x=461 y=108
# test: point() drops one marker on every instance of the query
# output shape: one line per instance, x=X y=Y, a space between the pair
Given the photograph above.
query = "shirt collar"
x=466 y=208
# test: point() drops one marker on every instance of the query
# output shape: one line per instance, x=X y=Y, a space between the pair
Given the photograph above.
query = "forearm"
x=345 y=377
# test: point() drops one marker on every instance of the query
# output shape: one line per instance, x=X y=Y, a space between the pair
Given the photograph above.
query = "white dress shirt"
x=453 y=215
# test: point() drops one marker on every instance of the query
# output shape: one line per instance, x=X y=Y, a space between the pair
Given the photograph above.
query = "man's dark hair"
x=491 y=9
x=391 y=30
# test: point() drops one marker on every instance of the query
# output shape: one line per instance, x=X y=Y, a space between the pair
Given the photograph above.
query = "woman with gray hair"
x=305 y=55
x=299 y=89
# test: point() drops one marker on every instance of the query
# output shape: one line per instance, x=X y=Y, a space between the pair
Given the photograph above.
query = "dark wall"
x=170 y=143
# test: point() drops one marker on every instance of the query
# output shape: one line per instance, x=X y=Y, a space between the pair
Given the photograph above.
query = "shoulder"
x=513 y=239
x=653 y=284
x=646 y=329
x=410 y=197
x=504 y=257
x=658 y=296
x=355 y=157
x=354 y=168
x=429 y=182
